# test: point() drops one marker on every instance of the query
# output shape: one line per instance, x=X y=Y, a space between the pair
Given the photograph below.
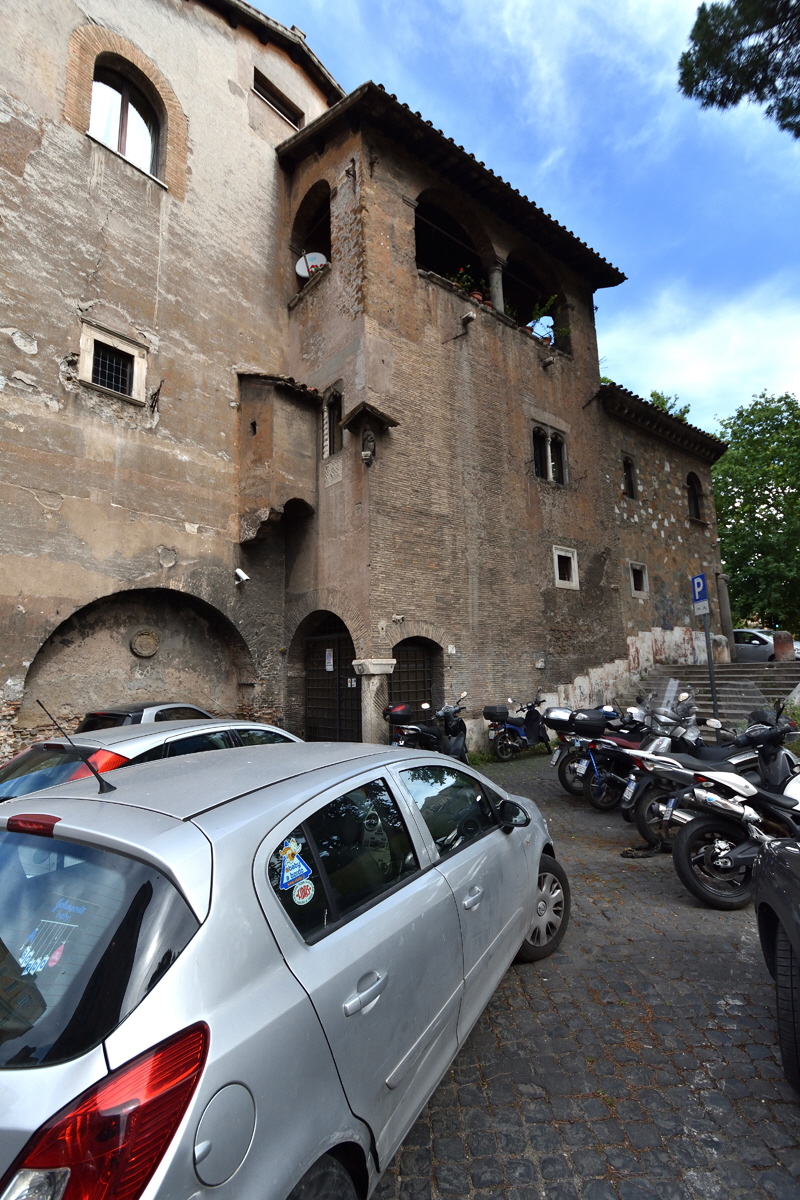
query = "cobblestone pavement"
x=640 y=1060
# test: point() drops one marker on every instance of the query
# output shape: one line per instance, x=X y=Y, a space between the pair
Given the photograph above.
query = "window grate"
x=112 y=369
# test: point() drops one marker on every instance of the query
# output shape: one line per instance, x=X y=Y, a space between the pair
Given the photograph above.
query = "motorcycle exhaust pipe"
x=679 y=815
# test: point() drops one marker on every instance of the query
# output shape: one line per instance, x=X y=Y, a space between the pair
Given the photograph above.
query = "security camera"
x=240 y=576
x=467 y=317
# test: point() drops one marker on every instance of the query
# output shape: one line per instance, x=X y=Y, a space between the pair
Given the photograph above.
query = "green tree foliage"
x=746 y=50
x=670 y=404
x=756 y=486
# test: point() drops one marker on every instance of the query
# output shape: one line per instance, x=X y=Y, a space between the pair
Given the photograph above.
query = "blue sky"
x=577 y=106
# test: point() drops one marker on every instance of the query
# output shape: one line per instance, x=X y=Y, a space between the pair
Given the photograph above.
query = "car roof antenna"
x=105 y=786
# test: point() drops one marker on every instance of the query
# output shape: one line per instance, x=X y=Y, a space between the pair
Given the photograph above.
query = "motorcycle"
x=509 y=735
x=731 y=818
x=449 y=738
x=576 y=731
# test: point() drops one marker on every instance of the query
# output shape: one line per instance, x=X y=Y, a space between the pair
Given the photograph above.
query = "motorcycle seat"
x=621 y=742
x=689 y=760
x=778 y=800
x=519 y=721
x=715 y=753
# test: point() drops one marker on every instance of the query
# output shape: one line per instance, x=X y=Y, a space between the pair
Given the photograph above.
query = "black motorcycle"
x=714 y=853
x=448 y=738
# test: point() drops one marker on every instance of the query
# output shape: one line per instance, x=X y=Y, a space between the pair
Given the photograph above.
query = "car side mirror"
x=513 y=816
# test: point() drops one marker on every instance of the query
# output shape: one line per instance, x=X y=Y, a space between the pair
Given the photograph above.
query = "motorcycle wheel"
x=787 y=998
x=692 y=850
x=502 y=748
x=551 y=912
x=603 y=793
x=648 y=818
x=569 y=781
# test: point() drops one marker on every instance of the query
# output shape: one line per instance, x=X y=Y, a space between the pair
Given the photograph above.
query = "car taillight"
x=106 y=1144
x=102 y=761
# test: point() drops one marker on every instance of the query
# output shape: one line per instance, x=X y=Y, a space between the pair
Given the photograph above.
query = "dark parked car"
x=777 y=902
x=141 y=714
x=55 y=761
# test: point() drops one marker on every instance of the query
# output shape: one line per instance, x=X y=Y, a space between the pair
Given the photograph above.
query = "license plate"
x=581 y=767
x=629 y=790
x=554 y=757
x=492 y=733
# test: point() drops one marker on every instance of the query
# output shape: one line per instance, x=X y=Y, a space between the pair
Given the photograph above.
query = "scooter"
x=448 y=738
x=509 y=735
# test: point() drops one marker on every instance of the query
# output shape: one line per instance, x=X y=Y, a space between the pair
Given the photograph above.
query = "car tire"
x=570 y=782
x=771 y=658
x=326 y=1180
x=550 y=924
x=787 y=1002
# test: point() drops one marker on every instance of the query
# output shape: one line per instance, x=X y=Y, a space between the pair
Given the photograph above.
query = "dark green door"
x=333 y=690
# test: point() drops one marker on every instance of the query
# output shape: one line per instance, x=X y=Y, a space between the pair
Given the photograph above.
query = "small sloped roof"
x=417 y=136
x=627 y=406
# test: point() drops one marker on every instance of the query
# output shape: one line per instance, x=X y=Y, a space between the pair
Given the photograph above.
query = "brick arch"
x=329 y=600
x=422 y=629
x=452 y=203
x=87 y=43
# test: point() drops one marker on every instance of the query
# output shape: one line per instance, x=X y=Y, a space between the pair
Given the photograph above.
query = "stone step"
x=774 y=680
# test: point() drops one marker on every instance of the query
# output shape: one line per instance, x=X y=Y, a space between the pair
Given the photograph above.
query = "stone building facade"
x=419 y=495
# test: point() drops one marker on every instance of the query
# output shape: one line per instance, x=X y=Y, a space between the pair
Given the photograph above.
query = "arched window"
x=540 y=454
x=557 y=460
x=311 y=231
x=124 y=120
x=694 y=493
x=534 y=298
x=628 y=478
x=444 y=247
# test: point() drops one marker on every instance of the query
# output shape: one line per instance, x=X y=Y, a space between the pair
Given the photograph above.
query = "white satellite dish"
x=307 y=264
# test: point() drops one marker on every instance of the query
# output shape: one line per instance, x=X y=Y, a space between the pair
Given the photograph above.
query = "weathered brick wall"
x=98 y=496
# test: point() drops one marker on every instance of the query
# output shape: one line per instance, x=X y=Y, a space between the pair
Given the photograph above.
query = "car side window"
x=261 y=737
x=197 y=743
x=149 y=755
x=452 y=805
x=294 y=876
x=350 y=852
x=180 y=714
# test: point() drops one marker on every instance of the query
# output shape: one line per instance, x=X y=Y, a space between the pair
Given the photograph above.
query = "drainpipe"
x=725 y=619
x=496 y=284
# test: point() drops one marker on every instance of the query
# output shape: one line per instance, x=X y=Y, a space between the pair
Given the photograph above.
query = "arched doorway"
x=417 y=676
x=333 y=690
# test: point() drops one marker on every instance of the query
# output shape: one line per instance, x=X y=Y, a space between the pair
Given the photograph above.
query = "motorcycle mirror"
x=630 y=710
x=425 y=705
x=683 y=696
x=713 y=723
x=463 y=694
x=608 y=708
x=509 y=699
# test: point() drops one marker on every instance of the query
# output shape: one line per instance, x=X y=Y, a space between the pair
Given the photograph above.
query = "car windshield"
x=40 y=766
x=85 y=934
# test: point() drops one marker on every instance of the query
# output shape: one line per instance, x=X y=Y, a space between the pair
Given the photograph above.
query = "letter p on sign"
x=699 y=595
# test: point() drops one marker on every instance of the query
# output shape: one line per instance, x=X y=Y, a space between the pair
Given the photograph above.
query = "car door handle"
x=474 y=898
x=367 y=994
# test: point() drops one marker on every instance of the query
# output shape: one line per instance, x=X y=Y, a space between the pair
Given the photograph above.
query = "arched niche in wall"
x=148 y=644
x=449 y=240
x=694 y=497
x=311 y=228
x=323 y=690
x=533 y=294
x=418 y=675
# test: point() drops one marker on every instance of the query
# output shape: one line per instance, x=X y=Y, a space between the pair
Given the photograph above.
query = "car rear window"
x=181 y=714
x=38 y=767
x=94 y=721
x=85 y=934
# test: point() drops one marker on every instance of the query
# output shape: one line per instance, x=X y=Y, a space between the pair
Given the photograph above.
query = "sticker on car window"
x=303 y=892
x=293 y=868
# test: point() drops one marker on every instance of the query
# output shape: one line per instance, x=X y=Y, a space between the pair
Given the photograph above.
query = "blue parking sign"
x=699 y=588
x=700 y=595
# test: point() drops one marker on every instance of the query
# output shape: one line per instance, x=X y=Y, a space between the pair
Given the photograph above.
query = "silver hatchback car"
x=245 y=972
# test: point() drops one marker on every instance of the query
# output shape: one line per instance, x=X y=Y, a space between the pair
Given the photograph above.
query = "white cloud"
x=714 y=353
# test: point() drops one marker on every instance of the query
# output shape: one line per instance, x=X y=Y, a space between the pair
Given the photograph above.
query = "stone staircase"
x=775 y=680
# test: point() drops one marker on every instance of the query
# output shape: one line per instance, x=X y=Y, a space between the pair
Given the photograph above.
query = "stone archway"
x=146 y=644
x=323 y=692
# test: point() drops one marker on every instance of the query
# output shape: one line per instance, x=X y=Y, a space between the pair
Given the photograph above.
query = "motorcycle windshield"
x=742 y=704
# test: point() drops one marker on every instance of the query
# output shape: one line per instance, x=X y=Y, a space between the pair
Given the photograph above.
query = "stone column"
x=374 y=674
x=725 y=619
x=496 y=284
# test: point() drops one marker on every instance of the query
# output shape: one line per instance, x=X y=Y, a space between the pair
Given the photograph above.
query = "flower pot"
x=487 y=304
x=476 y=295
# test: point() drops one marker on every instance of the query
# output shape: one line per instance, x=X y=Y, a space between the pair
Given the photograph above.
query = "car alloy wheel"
x=550 y=912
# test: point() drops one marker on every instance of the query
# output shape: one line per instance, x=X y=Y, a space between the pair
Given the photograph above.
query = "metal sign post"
x=701 y=609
